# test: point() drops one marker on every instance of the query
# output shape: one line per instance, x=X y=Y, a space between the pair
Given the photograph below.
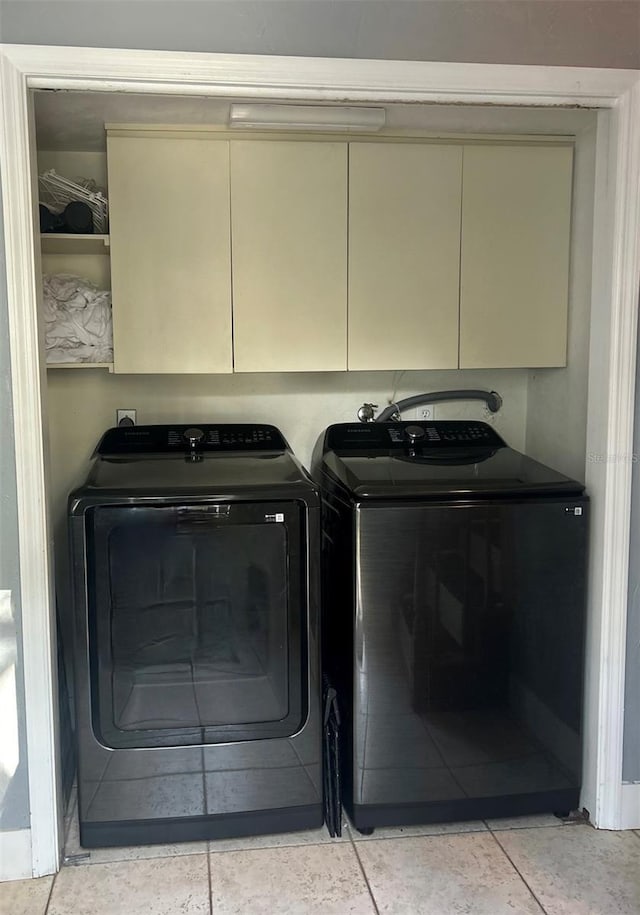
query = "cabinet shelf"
x=55 y=243
x=80 y=365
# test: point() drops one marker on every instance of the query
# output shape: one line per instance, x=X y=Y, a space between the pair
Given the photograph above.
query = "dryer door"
x=196 y=620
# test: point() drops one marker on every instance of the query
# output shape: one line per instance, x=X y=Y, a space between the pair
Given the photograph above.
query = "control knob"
x=193 y=436
x=414 y=433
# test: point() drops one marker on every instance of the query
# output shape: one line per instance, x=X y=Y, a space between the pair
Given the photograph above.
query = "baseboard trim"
x=630 y=806
x=15 y=854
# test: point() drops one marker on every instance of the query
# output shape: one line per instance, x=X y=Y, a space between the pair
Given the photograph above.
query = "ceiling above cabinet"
x=75 y=120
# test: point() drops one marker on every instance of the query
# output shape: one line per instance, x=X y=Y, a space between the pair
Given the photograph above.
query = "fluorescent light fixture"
x=306 y=117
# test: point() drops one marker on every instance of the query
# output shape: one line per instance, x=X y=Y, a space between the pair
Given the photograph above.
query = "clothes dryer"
x=196 y=600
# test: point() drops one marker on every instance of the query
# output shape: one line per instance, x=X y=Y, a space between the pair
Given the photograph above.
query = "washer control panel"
x=446 y=434
x=181 y=439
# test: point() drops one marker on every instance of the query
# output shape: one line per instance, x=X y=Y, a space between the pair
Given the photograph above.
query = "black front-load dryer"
x=196 y=602
x=453 y=622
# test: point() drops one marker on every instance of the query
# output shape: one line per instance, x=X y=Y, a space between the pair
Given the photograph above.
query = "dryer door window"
x=196 y=618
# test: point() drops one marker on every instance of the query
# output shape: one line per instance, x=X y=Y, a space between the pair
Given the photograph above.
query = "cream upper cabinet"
x=404 y=255
x=289 y=240
x=170 y=253
x=516 y=211
x=311 y=255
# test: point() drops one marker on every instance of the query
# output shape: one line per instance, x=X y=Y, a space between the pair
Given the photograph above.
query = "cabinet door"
x=170 y=254
x=516 y=212
x=404 y=255
x=289 y=215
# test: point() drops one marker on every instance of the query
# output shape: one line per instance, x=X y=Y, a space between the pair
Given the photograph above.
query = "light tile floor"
x=517 y=866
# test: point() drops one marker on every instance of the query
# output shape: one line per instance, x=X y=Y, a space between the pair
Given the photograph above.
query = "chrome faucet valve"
x=367 y=412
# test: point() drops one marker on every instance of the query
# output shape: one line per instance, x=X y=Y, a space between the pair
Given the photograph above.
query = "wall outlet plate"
x=126 y=417
x=425 y=412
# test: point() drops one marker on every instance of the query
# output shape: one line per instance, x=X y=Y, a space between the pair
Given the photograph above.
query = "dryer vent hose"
x=394 y=410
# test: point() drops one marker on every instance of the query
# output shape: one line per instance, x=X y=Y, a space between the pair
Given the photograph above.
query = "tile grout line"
x=53 y=883
x=517 y=870
x=423 y=835
x=364 y=873
x=285 y=844
x=67 y=820
x=209 y=878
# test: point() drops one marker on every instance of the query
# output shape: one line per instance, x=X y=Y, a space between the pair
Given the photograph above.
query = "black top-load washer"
x=453 y=622
x=196 y=605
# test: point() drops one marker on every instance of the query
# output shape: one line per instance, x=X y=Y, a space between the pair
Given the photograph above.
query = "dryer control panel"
x=183 y=438
x=446 y=434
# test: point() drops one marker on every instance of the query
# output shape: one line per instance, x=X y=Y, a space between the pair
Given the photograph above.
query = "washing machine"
x=196 y=618
x=454 y=571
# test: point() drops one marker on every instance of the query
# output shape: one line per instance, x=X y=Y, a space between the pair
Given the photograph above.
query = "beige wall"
x=557 y=398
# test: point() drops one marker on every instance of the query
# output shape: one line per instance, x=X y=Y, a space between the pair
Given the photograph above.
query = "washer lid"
x=436 y=460
x=215 y=475
x=225 y=460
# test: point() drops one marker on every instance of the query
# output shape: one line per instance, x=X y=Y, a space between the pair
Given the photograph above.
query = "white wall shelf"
x=55 y=243
x=80 y=365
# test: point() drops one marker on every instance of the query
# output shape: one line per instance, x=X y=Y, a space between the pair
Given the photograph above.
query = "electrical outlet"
x=126 y=417
x=426 y=412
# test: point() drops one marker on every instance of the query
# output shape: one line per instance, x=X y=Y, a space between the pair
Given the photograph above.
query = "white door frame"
x=616 y=278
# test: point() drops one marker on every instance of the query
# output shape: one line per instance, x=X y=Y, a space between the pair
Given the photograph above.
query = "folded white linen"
x=77 y=318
